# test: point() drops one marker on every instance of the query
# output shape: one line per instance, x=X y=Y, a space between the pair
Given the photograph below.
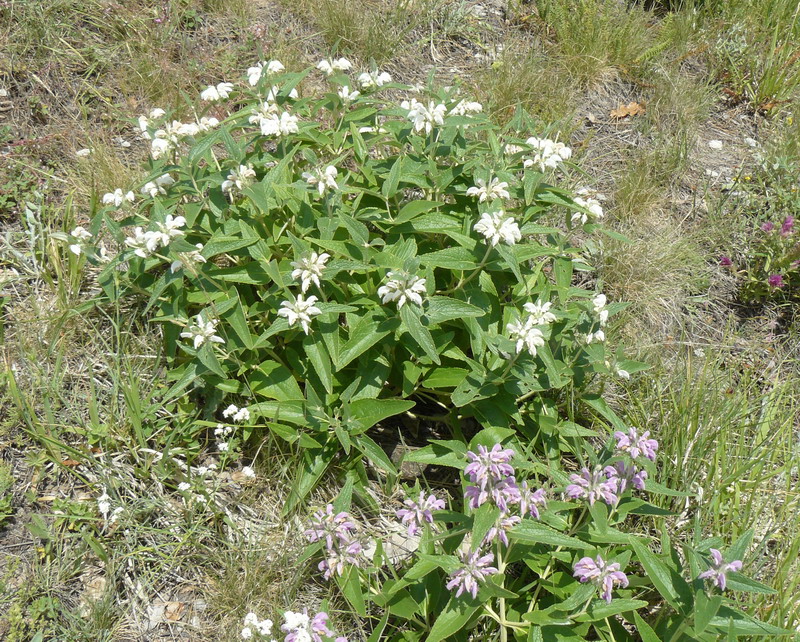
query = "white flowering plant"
x=324 y=264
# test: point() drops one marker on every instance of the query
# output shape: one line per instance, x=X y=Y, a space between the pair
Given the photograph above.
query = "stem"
x=501 y=567
x=462 y=282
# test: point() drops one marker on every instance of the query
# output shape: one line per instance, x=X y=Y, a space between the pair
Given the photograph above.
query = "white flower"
x=118 y=197
x=142 y=242
x=402 y=288
x=157 y=113
x=171 y=228
x=275 y=67
x=158 y=186
x=599 y=306
x=295 y=620
x=494 y=189
x=539 y=312
x=300 y=310
x=593 y=337
x=242 y=415
x=346 y=95
x=367 y=80
x=201 y=331
x=463 y=108
x=547 y=153
x=329 y=66
x=223 y=446
x=184 y=486
x=324 y=179
x=248 y=472
x=115 y=514
x=222 y=430
x=309 y=269
x=246 y=633
x=239 y=178
x=496 y=227
x=206 y=123
x=81 y=234
x=589 y=203
x=220 y=92
x=526 y=336
x=255 y=73
x=512 y=149
x=623 y=374
x=104 y=504
x=188 y=259
x=424 y=117
x=229 y=412
x=83 y=153
x=274 y=125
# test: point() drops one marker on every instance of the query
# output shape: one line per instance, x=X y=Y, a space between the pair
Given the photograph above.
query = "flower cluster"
x=255 y=628
x=547 y=154
x=322 y=179
x=239 y=178
x=202 y=330
x=104 y=506
x=718 y=573
x=329 y=66
x=498 y=226
x=402 y=288
x=299 y=627
x=338 y=531
x=236 y=414
x=525 y=331
x=475 y=568
x=424 y=117
x=489 y=191
x=118 y=197
x=301 y=311
x=418 y=512
x=593 y=485
x=373 y=79
x=600 y=573
x=309 y=269
x=255 y=73
x=588 y=202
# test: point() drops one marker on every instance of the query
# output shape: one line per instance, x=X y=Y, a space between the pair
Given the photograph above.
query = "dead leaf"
x=174 y=610
x=631 y=109
x=70 y=462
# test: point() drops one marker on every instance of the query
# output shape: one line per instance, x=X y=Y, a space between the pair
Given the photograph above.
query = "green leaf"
x=482 y=521
x=350 y=585
x=658 y=574
x=644 y=630
x=365 y=413
x=419 y=332
x=743 y=624
x=443 y=308
x=209 y=359
x=445 y=378
x=452 y=258
x=275 y=381
x=452 y=619
x=318 y=356
x=366 y=333
x=413 y=209
x=375 y=454
x=389 y=187
x=530 y=532
x=600 y=609
x=739 y=582
x=705 y=608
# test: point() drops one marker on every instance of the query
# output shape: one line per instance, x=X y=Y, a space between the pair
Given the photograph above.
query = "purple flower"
x=593 y=486
x=488 y=464
x=636 y=445
x=319 y=627
x=475 y=570
x=787 y=226
x=626 y=474
x=600 y=573
x=339 y=555
x=499 y=531
x=419 y=511
x=502 y=493
x=775 y=281
x=768 y=226
x=725 y=261
x=329 y=526
x=719 y=569
x=531 y=500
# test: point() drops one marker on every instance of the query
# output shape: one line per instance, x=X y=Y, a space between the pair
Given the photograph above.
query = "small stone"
x=715 y=144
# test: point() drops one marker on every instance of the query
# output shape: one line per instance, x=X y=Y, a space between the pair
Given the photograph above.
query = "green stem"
x=462 y=282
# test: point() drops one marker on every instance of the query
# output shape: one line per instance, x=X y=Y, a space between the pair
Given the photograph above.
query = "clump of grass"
x=597 y=40
x=525 y=76
x=726 y=427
